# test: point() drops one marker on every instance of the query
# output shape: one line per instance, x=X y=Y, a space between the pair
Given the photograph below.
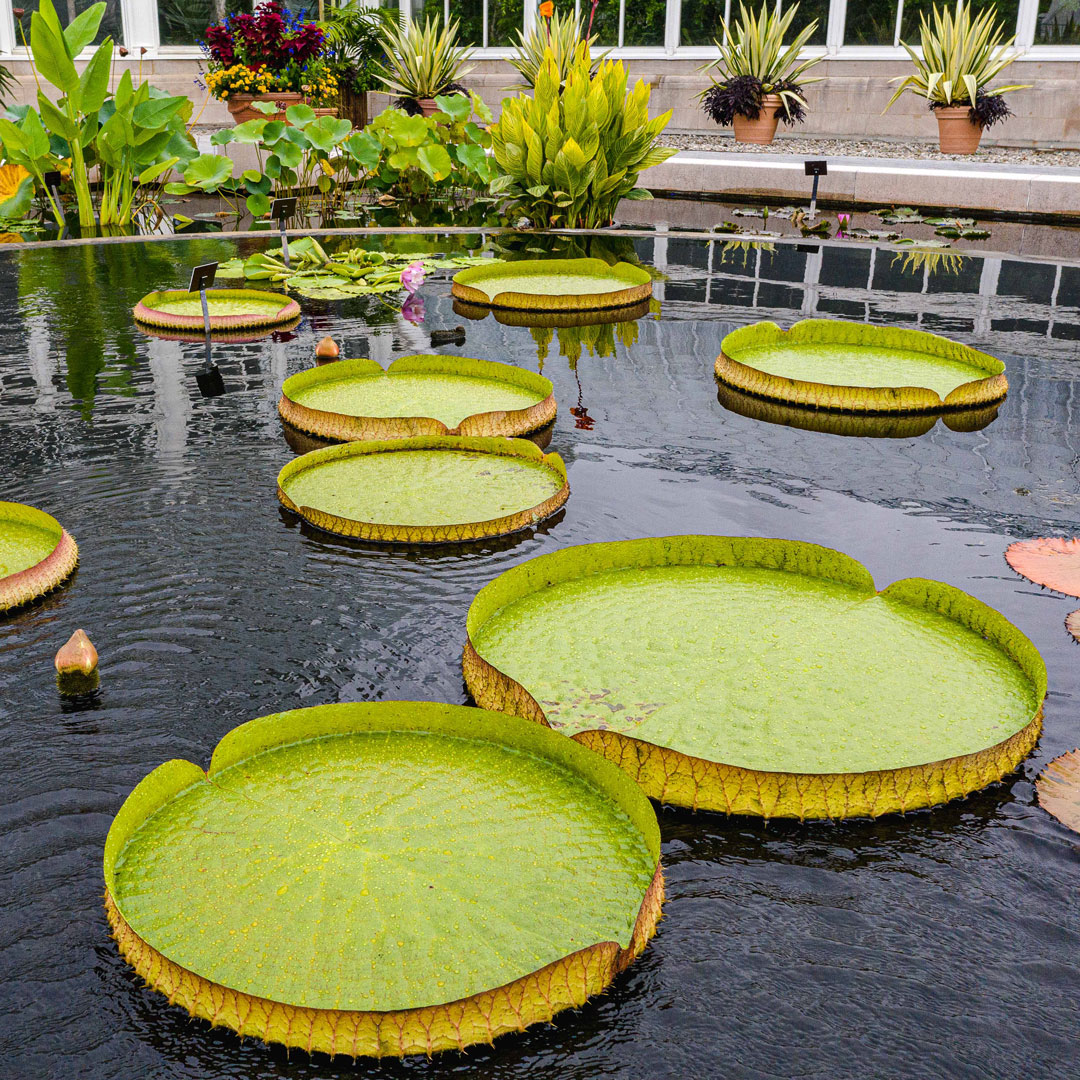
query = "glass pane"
x=184 y=22
x=1006 y=12
x=111 y=24
x=504 y=21
x=605 y=25
x=701 y=19
x=644 y=22
x=872 y=22
x=1058 y=22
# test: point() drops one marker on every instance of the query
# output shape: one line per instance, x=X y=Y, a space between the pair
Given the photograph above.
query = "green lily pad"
x=36 y=554
x=342 y=874
x=230 y=309
x=417 y=395
x=435 y=489
x=553 y=284
x=855 y=367
x=759 y=676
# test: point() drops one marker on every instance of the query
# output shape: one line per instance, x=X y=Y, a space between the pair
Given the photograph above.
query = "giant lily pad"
x=855 y=367
x=856 y=425
x=230 y=309
x=759 y=676
x=553 y=284
x=36 y=554
x=1058 y=787
x=417 y=395
x=430 y=489
x=516 y=317
x=390 y=878
x=1050 y=561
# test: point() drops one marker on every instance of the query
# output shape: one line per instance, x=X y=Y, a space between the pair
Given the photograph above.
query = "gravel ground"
x=805 y=146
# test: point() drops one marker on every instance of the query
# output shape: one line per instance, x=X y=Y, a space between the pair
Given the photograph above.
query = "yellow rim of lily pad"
x=450 y=531
x=855 y=425
x=32 y=582
x=681 y=779
x=267 y=309
x=533 y=996
x=514 y=317
x=975 y=393
x=616 y=286
x=225 y=337
x=344 y=427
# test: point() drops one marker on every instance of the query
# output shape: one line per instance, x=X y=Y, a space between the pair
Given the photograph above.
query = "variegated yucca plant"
x=569 y=158
x=422 y=61
x=960 y=56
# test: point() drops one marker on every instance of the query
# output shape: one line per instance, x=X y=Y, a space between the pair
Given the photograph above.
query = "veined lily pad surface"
x=553 y=284
x=856 y=367
x=417 y=395
x=760 y=676
x=425 y=490
x=230 y=309
x=36 y=554
x=387 y=878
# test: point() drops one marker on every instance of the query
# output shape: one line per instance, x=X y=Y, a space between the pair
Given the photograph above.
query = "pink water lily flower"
x=413 y=310
x=412 y=277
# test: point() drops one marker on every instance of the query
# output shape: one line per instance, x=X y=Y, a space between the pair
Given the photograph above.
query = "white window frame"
x=141 y=31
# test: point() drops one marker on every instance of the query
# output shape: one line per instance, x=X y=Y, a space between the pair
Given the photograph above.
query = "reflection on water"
x=943 y=943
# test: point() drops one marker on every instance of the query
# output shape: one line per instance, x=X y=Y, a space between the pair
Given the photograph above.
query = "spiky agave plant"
x=422 y=62
x=960 y=56
x=561 y=34
x=754 y=62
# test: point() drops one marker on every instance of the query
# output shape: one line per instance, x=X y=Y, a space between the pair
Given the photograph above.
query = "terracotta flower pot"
x=427 y=105
x=956 y=133
x=763 y=129
x=242 y=110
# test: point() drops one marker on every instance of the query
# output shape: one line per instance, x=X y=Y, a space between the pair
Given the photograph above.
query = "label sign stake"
x=282 y=210
x=816 y=169
x=202 y=277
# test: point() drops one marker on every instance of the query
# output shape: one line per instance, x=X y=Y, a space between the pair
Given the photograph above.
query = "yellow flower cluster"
x=240 y=79
x=323 y=89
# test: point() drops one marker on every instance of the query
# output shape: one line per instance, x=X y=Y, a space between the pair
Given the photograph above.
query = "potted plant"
x=422 y=63
x=761 y=79
x=273 y=56
x=960 y=55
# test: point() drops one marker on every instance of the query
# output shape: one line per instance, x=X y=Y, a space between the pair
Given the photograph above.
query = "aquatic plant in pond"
x=556 y=285
x=1053 y=562
x=855 y=367
x=417 y=395
x=230 y=309
x=1058 y=788
x=425 y=490
x=755 y=676
x=36 y=554
x=482 y=875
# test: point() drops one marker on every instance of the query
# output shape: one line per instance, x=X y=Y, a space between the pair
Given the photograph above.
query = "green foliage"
x=415 y=157
x=354 y=43
x=421 y=62
x=568 y=158
x=959 y=56
x=562 y=34
x=755 y=47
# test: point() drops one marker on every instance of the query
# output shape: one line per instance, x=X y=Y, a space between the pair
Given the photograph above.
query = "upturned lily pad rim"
x=556 y=319
x=147 y=313
x=225 y=337
x=632 y=284
x=681 y=779
x=33 y=582
x=975 y=393
x=346 y=427
x=532 y=997
x=448 y=532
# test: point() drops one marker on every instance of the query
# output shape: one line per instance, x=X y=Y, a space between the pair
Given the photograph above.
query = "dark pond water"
x=942 y=944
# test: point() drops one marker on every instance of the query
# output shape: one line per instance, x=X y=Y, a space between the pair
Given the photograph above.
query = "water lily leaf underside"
x=401 y=877
x=757 y=676
x=36 y=554
x=417 y=395
x=1058 y=788
x=1052 y=562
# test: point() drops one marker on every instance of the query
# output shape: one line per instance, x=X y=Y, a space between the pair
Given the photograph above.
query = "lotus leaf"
x=402 y=877
x=760 y=676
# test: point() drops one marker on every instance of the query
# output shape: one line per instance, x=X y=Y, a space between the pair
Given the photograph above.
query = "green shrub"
x=569 y=158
